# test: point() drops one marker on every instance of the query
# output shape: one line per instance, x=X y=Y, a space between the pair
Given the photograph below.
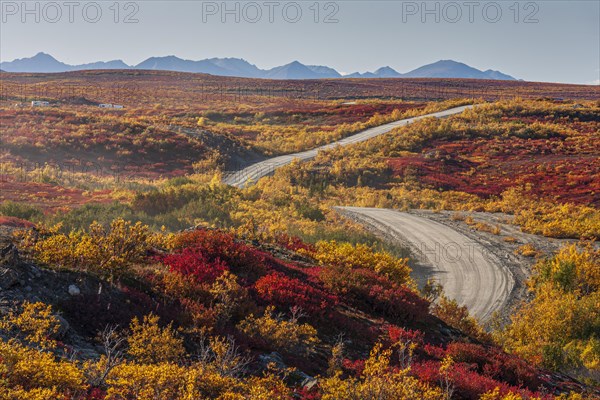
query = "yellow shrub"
x=104 y=251
x=363 y=256
x=557 y=327
x=166 y=381
x=585 y=353
x=572 y=268
x=149 y=343
x=268 y=387
x=285 y=335
x=495 y=395
x=35 y=321
x=541 y=329
x=227 y=294
x=37 y=374
x=378 y=381
x=458 y=317
x=176 y=382
x=552 y=220
x=527 y=250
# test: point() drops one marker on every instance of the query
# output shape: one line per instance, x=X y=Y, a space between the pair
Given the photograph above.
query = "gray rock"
x=276 y=359
x=74 y=290
x=9 y=256
x=309 y=383
x=10 y=269
x=8 y=278
x=272 y=358
x=36 y=271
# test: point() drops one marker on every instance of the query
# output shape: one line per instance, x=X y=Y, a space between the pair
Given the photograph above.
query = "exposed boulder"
x=74 y=290
x=10 y=273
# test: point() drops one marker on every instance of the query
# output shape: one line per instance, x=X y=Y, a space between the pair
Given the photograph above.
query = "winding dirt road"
x=469 y=273
x=254 y=172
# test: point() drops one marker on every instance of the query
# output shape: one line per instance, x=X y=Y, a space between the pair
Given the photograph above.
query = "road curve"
x=471 y=275
x=254 y=172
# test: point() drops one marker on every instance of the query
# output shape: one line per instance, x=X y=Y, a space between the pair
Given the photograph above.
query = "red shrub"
x=285 y=292
x=353 y=367
x=95 y=394
x=398 y=303
x=16 y=222
x=195 y=262
x=468 y=383
x=244 y=260
x=494 y=363
x=293 y=243
x=197 y=314
x=307 y=394
x=366 y=288
x=397 y=334
x=434 y=351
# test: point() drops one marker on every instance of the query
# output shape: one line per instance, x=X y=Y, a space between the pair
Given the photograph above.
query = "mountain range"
x=238 y=67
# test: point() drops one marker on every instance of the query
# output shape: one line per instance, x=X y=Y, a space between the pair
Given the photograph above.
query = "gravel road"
x=470 y=273
x=254 y=172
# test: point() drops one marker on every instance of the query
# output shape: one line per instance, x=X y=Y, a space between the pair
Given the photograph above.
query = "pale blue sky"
x=562 y=46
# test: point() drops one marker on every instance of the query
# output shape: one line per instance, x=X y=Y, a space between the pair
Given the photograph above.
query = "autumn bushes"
x=26 y=373
x=534 y=159
x=28 y=369
x=560 y=221
x=287 y=131
x=146 y=361
x=379 y=380
x=85 y=140
x=493 y=362
x=199 y=309
x=107 y=252
x=285 y=335
x=366 y=278
x=357 y=274
x=286 y=293
x=406 y=366
x=212 y=273
x=363 y=256
x=245 y=261
x=194 y=262
x=559 y=327
x=465 y=370
x=180 y=206
x=397 y=303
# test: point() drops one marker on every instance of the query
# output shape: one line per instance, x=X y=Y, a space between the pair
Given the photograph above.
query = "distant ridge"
x=238 y=67
x=453 y=69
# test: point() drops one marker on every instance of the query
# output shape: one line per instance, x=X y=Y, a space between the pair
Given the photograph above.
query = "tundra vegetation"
x=211 y=291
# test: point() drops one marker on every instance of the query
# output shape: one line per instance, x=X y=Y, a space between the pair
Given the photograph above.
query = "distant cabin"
x=117 y=106
x=37 y=103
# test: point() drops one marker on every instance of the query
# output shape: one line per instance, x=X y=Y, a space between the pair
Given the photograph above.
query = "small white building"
x=117 y=106
x=38 y=103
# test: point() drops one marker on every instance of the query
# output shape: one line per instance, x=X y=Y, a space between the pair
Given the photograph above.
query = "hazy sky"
x=553 y=41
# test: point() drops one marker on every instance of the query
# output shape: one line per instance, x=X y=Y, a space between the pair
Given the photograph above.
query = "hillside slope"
x=283 y=304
